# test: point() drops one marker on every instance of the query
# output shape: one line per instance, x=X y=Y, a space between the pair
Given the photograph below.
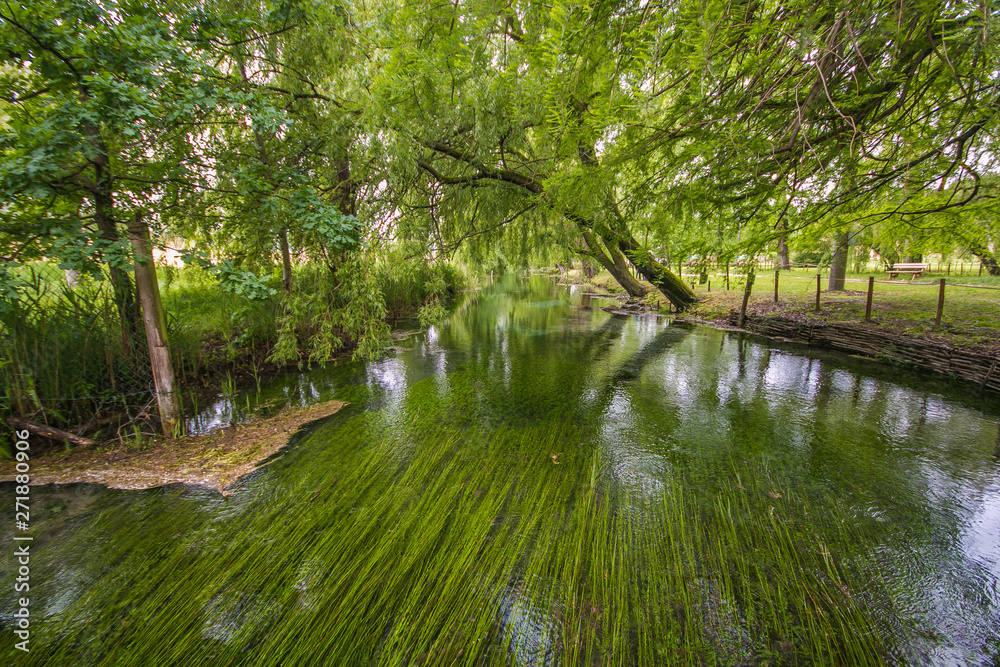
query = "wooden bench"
x=915 y=270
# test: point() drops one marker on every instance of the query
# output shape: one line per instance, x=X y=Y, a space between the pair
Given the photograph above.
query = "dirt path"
x=214 y=461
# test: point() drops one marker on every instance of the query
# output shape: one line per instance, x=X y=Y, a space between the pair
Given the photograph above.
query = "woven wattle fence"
x=977 y=368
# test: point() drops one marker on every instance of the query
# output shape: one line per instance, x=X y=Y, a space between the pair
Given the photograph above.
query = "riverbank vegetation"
x=199 y=187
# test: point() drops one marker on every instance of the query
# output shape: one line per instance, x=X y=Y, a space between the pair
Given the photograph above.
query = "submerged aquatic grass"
x=536 y=495
x=460 y=556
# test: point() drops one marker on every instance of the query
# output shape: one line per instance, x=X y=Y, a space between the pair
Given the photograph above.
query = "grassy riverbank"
x=970 y=319
x=70 y=362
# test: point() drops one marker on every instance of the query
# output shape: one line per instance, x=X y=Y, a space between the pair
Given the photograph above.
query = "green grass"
x=64 y=354
x=66 y=358
x=971 y=315
x=211 y=329
x=489 y=554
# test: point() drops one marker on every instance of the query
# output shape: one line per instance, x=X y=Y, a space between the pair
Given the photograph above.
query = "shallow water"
x=539 y=482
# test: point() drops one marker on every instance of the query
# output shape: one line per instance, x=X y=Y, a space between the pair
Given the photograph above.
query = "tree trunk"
x=618 y=269
x=167 y=394
x=286 y=262
x=50 y=432
x=907 y=256
x=669 y=284
x=103 y=193
x=265 y=158
x=347 y=187
x=783 y=262
x=746 y=298
x=121 y=285
x=988 y=259
x=838 y=267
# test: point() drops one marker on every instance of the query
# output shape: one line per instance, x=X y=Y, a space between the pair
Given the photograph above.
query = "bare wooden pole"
x=727 y=276
x=155 y=321
x=776 y=286
x=746 y=298
x=940 y=309
x=817 y=291
x=868 y=302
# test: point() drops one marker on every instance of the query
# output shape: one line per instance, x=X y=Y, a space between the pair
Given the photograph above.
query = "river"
x=538 y=482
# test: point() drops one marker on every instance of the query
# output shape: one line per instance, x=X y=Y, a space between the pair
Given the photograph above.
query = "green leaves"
x=232 y=279
x=323 y=222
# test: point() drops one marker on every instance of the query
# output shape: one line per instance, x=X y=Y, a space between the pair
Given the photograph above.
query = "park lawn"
x=971 y=315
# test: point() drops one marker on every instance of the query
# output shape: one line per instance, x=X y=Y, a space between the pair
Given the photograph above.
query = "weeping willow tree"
x=706 y=124
x=614 y=129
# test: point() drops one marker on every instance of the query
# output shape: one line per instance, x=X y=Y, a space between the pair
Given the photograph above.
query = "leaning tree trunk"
x=620 y=242
x=610 y=257
x=671 y=285
x=838 y=267
x=155 y=321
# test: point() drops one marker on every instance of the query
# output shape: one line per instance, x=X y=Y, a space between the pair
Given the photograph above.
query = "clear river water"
x=538 y=482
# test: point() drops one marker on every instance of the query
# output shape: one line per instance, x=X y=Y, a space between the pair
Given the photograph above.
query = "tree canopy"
x=620 y=131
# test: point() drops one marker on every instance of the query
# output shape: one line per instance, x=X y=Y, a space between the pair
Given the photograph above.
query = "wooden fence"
x=948 y=269
x=980 y=369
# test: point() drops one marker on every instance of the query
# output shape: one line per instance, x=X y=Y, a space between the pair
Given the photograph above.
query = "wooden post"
x=980 y=267
x=817 y=291
x=776 y=286
x=948 y=271
x=727 y=276
x=155 y=321
x=746 y=298
x=868 y=303
x=709 y=286
x=940 y=310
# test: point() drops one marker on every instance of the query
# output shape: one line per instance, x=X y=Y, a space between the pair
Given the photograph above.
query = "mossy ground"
x=214 y=460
